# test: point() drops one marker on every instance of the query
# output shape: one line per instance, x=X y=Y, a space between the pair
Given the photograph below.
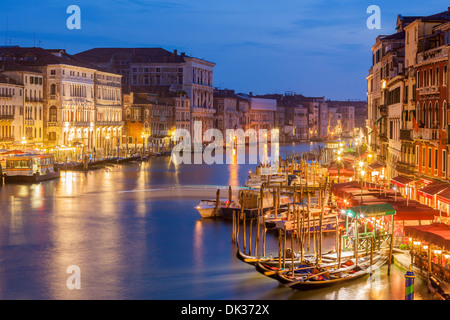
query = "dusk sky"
x=312 y=47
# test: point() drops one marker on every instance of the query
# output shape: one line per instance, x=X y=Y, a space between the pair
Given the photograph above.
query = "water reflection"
x=135 y=234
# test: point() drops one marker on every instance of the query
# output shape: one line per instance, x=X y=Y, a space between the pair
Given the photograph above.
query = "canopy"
x=375 y=166
x=3 y=150
x=431 y=190
x=12 y=152
x=345 y=169
x=436 y=233
x=374 y=210
x=404 y=209
x=444 y=196
x=401 y=181
x=362 y=156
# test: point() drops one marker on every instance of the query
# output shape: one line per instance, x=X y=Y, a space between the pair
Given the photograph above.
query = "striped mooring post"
x=409 y=284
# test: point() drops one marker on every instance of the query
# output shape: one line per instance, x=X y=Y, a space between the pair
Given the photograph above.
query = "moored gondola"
x=327 y=278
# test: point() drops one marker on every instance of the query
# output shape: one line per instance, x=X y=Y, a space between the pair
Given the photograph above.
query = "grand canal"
x=134 y=233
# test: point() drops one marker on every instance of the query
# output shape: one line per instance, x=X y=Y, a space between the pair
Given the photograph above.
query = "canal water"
x=133 y=232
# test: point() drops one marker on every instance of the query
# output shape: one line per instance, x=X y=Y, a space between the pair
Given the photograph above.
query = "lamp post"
x=107 y=145
x=362 y=177
x=143 y=142
x=339 y=168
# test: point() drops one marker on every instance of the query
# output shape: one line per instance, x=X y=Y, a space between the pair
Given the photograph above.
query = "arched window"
x=445 y=115
x=53 y=114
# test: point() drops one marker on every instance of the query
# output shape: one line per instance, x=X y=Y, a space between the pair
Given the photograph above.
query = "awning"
x=379 y=119
x=436 y=233
x=373 y=210
x=444 y=196
x=362 y=156
x=431 y=190
x=375 y=166
x=401 y=181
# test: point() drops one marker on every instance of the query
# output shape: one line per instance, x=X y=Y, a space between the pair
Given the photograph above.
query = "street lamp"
x=107 y=144
x=362 y=177
x=339 y=168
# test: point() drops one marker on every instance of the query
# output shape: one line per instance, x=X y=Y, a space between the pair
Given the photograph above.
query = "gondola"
x=327 y=278
x=274 y=261
x=272 y=271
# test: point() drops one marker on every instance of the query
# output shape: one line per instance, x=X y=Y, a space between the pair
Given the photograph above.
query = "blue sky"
x=312 y=47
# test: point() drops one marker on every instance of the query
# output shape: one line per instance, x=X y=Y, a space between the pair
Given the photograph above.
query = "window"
x=53 y=88
x=52 y=72
x=444 y=162
x=52 y=136
x=436 y=159
x=437 y=76
x=53 y=114
x=429 y=158
x=423 y=156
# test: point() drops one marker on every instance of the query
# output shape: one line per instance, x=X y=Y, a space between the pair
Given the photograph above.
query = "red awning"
x=13 y=152
x=405 y=209
x=431 y=190
x=375 y=166
x=436 y=233
x=361 y=157
x=401 y=181
x=444 y=196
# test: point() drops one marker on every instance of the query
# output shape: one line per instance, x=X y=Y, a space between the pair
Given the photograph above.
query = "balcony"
x=405 y=168
x=7 y=117
x=29 y=122
x=383 y=137
x=78 y=124
x=426 y=134
x=406 y=134
x=436 y=53
x=6 y=96
x=429 y=90
x=109 y=123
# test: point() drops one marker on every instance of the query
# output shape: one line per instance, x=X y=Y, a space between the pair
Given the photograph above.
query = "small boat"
x=30 y=168
x=275 y=262
x=251 y=210
x=439 y=287
x=321 y=279
x=270 y=261
x=207 y=208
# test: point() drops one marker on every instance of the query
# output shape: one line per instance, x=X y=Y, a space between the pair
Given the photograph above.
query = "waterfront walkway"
x=402 y=259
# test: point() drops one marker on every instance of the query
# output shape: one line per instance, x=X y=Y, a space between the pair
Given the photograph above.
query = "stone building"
x=71 y=93
x=11 y=113
x=33 y=104
x=145 y=67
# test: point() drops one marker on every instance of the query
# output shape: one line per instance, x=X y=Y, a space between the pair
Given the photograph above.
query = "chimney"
x=183 y=54
x=175 y=51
